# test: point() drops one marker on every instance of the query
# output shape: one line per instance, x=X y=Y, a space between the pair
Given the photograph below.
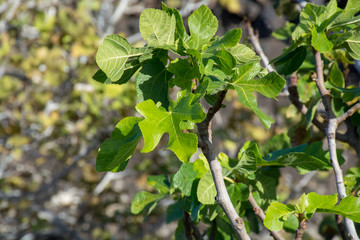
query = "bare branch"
x=254 y=38
x=348 y=113
x=295 y=100
x=260 y=213
x=190 y=228
x=331 y=137
x=207 y=148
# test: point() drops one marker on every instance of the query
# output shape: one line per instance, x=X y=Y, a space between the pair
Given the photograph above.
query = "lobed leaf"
x=349 y=207
x=244 y=84
x=202 y=26
x=158 y=121
x=276 y=215
x=354 y=45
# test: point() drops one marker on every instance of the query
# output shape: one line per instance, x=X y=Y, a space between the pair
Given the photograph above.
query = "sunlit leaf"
x=158 y=121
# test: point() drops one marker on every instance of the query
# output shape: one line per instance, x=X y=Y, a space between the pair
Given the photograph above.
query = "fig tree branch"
x=293 y=95
x=254 y=39
x=205 y=143
x=331 y=136
x=260 y=213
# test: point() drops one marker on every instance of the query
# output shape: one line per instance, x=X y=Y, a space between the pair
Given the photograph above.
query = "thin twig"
x=254 y=39
x=331 y=136
x=207 y=148
x=339 y=222
x=293 y=93
x=213 y=230
x=348 y=113
x=260 y=213
x=190 y=228
x=187 y=226
x=301 y=229
x=295 y=100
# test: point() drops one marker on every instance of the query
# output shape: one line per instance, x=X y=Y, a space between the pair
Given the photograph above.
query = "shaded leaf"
x=310 y=114
x=185 y=177
x=174 y=212
x=160 y=183
x=291 y=62
x=184 y=73
x=119 y=148
x=152 y=82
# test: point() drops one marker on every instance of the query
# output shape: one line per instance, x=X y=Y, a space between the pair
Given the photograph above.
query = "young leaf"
x=349 y=93
x=206 y=191
x=158 y=121
x=157 y=27
x=226 y=61
x=244 y=84
x=316 y=201
x=276 y=215
x=159 y=182
x=320 y=42
x=113 y=54
x=143 y=199
x=180 y=31
x=238 y=192
x=152 y=82
x=119 y=148
x=248 y=156
x=229 y=40
x=349 y=207
x=202 y=26
x=242 y=53
x=315 y=13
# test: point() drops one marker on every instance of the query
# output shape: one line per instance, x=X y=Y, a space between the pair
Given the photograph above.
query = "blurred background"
x=53 y=118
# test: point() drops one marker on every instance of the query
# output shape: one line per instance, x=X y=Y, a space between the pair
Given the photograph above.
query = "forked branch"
x=260 y=213
x=331 y=136
x=205 y=143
